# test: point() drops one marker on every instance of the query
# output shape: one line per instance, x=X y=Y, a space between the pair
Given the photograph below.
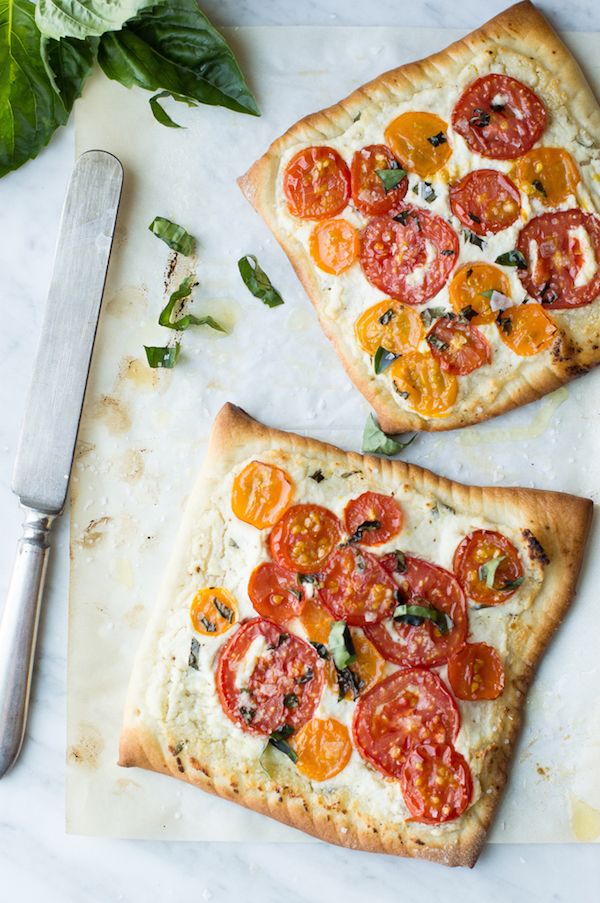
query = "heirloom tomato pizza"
x=444 y=221
x=344 y=643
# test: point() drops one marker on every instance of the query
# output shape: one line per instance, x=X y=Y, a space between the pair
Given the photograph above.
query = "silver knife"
x=47 y=442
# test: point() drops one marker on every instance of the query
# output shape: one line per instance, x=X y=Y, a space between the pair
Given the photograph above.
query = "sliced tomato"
x=391 y=325
x=355 y=588
x=213 y=611
x=552 y=245
x=548 y=174
x=476 y=673
x=409 y=259
x=424 y=644
x=368 y=192
x=436 y=783
x=374 y=518
x=420 y=142
x=261 y=493
x=468 y=286
x=527 y=329
x=499 y=117
x=316 y=183
x=405 y=709
x=284 y=682
x=323 y=747
x=304 y=538
x=275 y=593
x=419 y=378
x=334 y=246
x=485 y=201
x=369 y=665
x=459 y=346
x=476 y=551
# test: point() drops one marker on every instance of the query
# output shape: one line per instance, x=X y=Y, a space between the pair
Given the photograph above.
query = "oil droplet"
x=585 y=820
x=128 y=301
x=538 y=426
x=139 y=373
x=121 y=570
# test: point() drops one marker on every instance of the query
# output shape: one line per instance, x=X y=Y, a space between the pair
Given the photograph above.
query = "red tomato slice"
x=355 y=588
x=316 y=183
x=475 y=550
x=436 y=783
x=412 y=259
x=424 y=645
x=476 y=672
x=369 y=509
x=460 y=347
x=368 y=192
x=554 y=255
x=304 y=538
x=485 y=201
x=276 y=593
x=284 y=685
x=499 y=117
x=405 y=709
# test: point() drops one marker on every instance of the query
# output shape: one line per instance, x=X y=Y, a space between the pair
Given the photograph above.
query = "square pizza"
x=345 y=643
x=443 y=220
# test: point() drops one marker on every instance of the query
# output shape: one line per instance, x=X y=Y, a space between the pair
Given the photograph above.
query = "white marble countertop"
x=38 y=861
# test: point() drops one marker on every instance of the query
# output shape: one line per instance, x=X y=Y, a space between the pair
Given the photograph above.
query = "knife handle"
x=18 y=631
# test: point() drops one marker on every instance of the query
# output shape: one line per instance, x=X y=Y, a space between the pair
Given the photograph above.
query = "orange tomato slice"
x=547 y=173
x=475 y=672
x=369 y=664
x=408 y=136
x=470 y=282
x=317 y=622
x=323 y=747
x=213 y=611
x=334 y=246
x=527 y=329
x=261 y=493
x=391 y=325
x=428 y=388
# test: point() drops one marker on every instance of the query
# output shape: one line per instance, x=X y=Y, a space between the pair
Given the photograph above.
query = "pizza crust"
x=152 y=734
x=552 y=70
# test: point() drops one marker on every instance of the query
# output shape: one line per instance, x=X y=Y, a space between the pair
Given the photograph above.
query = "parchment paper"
x=143 y=435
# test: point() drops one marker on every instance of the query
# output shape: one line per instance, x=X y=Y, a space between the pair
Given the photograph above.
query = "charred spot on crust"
x=534 y=547
x=180 y=767
x=577 y=369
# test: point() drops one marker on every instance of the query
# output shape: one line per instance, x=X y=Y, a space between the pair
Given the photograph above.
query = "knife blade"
x=53 y=411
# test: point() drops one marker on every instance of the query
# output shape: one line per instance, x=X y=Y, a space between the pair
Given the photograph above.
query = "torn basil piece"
x=436 y=140
x=400 y=561
x=375 y=441
x=341 y=646
x=224 y=610
x=480 y=118
x=366 y=527
x=473 y=239
x=436 y=343
x=432 y=313
x=349 y=680
x=391 y=178
x=193 y=659
x=161 y=115
x=321 y=650
x=247 y=713
x=385 y=318
x=176 y=301
x=257 y=282
x=306 y=677
x=290 y=701
x=415 y=615
x=317 y=476
x=309 y=578
x=487 y=571
x=278 y=739
x=382 y=359
x=513 y=584
x=173 y=235
x=468 y=313
x=512 y=259
x=162 y=357
x=537 y=184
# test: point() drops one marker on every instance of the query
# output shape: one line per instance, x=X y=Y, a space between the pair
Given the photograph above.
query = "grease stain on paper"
x=136 y=371
x=130 y=301
x=87 y=750
x=113 y=413
x=585 y=821
x=132 y=465
x=94 y=532
x=537 y=427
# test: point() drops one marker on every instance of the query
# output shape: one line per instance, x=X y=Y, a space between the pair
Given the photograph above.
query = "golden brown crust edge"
x=523 y=28
x=558 y=521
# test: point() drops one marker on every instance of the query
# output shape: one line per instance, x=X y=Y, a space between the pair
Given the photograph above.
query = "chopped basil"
x=513 y=584
x=400 y=561
x=290 y=701
x=257 y=282
x=162 y=357
x=193 y=659
x=208 y=625
x=385 y=318
x=347 y=679
x=173 y=235
x=181 y=324
x=487 y=571
x=382 y=359
x=431 y=313
x=437 y=343
x=467 y=313
x=307 y=676
x=473 y=239
x=512 y=259
x=309 y=578
x=375 y=441
x=224 y=610
x=480 y=118
x=474 y=217
x=281 y=639
x=348 y=473
x=341 y=646
x=447 y=252
x=366 y=527
x=278 y=740
x=317 y=476
x=505 y=323
x=427 y=192
x=414 y=615
x=488 y=292
x=321 y=649
x=360 y=562
x=391 y=178
x=539 y=187
x=497 y=107
x=548 y=295
x=247 y=713
x=295 y=592
x=402 y=395
x=402 y=217
x=438 y=139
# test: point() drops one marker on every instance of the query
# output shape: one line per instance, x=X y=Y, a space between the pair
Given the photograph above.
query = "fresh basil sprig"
x=257 y=282
x=376 y=442
x=162 y=357
x=173 y=235
x=183 y=323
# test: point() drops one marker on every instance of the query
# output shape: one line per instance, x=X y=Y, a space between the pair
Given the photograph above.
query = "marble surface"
x=38 y=861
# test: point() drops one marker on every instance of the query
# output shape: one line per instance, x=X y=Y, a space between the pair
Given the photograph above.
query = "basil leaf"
x=436 y=342
x=164 y=357
x=473 y=239
x=538 y=185
x=512 y=259
x=385 y=318
x=367 y=526
x=224 y=610
x=347 y=679
x=391 y=178
x=290 y=701
x=161 y=114
x=68 y=63
x=376 y=442
x=467 y=313
x=341 y=646
x=382 y=359
x=321 y=649
x=487 y=571
x=193 y=659
x=421 y=613
x=173 y=47
x=436 y=140
x=432 y=313
x=400 y=561
x=317 y=476
x=183 y=323
x=173 y=235
x=278 y=740
x=257 y=282
x=64 y=18
x=309 y=578
x=307 y=676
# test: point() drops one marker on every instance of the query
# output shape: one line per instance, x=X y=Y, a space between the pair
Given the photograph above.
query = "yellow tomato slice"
x=317 y=622
x=428 y=389
x=547 y=173
x=213 y=611
x=260 y=494
x=468 y=285
x=408 y=136
x=527 y=329
x=391 y=325
x=369 y=664
x=323 y=747
x=334 y=246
